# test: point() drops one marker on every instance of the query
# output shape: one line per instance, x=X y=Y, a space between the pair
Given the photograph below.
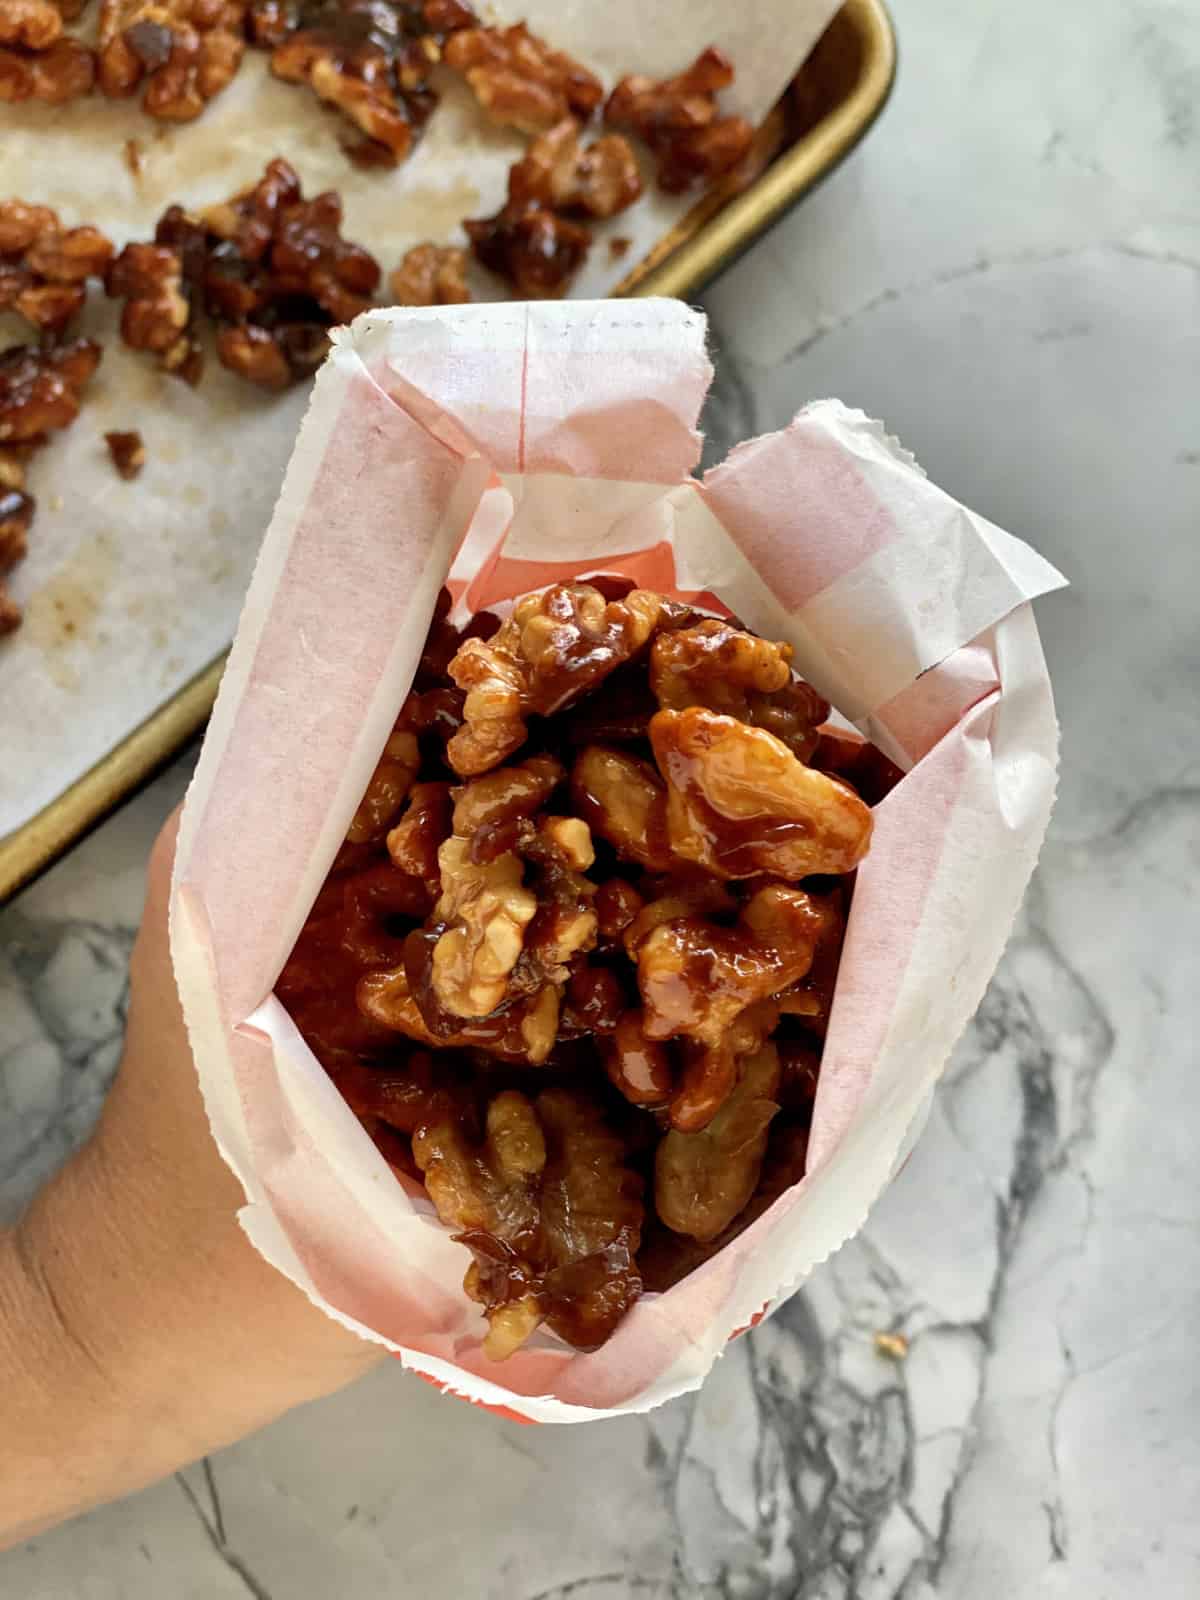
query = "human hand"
x=138 y=1326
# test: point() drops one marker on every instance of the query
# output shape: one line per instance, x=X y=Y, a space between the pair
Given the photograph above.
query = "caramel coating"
x=182 y=53
x=44 y=267
x=269 y=266
x=37 y=61
x=729 y=671
x=430 y=275
x=519 y=80
x=557 y=172
x=557 y=645
x=677 y=117
x=564 y=946
x=739 y=803
x=703 y=1180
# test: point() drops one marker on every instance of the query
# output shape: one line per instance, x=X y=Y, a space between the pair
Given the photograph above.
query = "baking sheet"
x=130 y=589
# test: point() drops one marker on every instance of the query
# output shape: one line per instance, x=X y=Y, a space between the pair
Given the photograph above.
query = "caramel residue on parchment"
x=63 y=612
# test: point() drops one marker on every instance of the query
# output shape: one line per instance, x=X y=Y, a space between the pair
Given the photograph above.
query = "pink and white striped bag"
x=500 y=447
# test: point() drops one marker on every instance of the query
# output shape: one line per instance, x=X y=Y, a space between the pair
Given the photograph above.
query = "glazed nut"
x=531 y=246
x=677 y=117
x=557 y=172
x=739 y=803
x=127 y=451
x=727 y=670
x=430 y=275
x=623 y=799
x=491 y=801
x=556 y=646
x=703 y=1180
x=149 y=278
x=30 y=24
x=41 y=390
x=44 y=267
x=414 y=842
x=386 y=789
x=519 y=80
x=486 y=909
x=639 y=1067
x=182 y=52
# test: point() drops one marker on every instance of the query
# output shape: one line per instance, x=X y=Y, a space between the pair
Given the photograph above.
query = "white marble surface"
x=1009 y=272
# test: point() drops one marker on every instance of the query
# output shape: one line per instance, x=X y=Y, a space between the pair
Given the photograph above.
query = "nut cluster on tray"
x=573 y=964
x=264 y=276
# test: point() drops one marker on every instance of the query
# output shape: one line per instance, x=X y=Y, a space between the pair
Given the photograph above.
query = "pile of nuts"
x=268 y=267
x=269 y=270
x=44 y=269
x=573 y=965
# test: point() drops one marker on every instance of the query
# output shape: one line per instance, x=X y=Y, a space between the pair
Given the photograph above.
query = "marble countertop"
x=1008 y=272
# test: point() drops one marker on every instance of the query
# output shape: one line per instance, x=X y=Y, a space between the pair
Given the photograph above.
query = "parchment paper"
x=501 y=447
x=131 y=588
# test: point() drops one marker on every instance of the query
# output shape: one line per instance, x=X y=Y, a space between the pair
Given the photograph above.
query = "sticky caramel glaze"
x=740 y=803
x=639 y=1067
x=624 y=800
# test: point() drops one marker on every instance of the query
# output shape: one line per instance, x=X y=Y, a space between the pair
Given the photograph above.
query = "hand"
x=138 y=1327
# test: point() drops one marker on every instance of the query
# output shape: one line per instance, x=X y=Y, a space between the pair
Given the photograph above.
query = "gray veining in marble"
x=1009 y=273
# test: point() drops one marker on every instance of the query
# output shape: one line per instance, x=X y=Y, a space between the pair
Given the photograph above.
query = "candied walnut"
x=414 y=842
x=522 y=1030
x=271 y=267
x=425 y=1089
x=35 y=24
x=558 y=851
x=550 y=1211
x=380 y=905
x=159 y=314
x=707 y=982
x=624 y=800
x=486 y=909
x=639 y=1067
x=739 y=803
x=127 y=451
x=183 y=52
x=696 y=975
x=710 y=1070
x=317 y=984
x=534 y=248
x=810 y=1000
x=484 y=807
x=66 y=71
x=732 y=672
x=555 y=646
x=617 y=903
x=703 y=1180
x=667 y=1257
x=296 y=246
x=675 y=897
x=519 y=80
x=41 y=390
x=370 y=60
x=386 y=790
x=558 y=173
x=677 y=117
x=430 y=275
x=595 y=1002
x=44 y=267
